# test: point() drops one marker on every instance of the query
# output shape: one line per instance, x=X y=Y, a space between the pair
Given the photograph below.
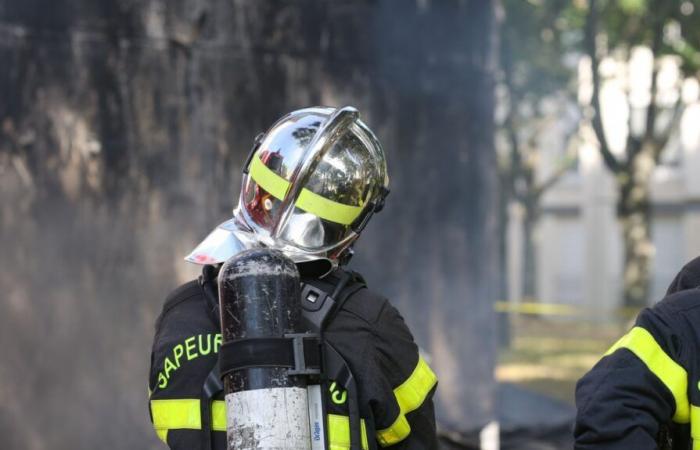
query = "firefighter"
x=310 y=185
x=645 y=392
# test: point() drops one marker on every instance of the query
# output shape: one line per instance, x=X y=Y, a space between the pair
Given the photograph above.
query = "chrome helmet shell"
x=309 y=187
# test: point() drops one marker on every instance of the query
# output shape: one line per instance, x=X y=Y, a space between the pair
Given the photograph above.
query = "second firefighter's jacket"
x=395 y=384
x=644 y=393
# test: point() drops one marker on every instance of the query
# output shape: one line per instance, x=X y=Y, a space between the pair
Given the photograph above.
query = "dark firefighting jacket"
x=645 y=392
x=395 y=383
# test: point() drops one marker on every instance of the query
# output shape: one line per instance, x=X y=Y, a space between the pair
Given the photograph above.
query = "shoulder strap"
x=207 y=281
x=320 y=302
x=321 y=299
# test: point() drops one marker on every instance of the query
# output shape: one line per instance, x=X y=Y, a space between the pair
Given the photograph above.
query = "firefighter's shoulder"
x=672 y=323
x=681 y=302
x=365 y=304
x=186 y=339
x=390 y=370
x=190 y=291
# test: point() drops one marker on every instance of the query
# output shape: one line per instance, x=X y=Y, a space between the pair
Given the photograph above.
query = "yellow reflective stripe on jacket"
x=185 y=414
x=179 y=414
x=339 y=433
x=695 y=426
x=162 y=435
x=640 y=342
x=308 y=201
x=410 y=395
x=218 y=415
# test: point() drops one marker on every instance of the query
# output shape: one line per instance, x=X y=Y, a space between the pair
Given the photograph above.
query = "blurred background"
x=542 y=156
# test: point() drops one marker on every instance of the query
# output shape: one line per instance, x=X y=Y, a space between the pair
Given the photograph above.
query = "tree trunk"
x=530 y=217
x=634 y=210
x=132 y=120
x=433 y=249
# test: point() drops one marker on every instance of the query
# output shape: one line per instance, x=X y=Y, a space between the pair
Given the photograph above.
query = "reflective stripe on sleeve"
x=640 y=342
x=162 y=435
x=695 y=426
x=410 y=395
x=339 y=433
x=184 y=414
x=308 y=201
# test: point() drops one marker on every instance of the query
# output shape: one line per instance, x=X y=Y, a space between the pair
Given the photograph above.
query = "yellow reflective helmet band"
x=179 y=414
x=410 y=395
x=308 y=201
x=640 y=342
x=274 y=184
x=327 y=209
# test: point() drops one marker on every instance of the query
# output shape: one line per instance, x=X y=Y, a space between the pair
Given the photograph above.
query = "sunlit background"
x=543 y=157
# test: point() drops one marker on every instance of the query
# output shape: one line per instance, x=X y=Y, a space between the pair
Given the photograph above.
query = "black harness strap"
x=319 y=308
x=300 y=352
x=338 y=370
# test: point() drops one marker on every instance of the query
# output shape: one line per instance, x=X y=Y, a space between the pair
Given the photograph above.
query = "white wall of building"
x=579 y=253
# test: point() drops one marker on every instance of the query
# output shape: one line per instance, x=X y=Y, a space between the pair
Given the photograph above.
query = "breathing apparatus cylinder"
x=266 y=407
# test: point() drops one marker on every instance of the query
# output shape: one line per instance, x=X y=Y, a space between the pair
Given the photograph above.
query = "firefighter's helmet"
x=310 y=185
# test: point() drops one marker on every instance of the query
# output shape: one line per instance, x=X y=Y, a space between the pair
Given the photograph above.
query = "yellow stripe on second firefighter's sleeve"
x=640 y=342
x=410 y=395
x=695 y=426
x=339 y=433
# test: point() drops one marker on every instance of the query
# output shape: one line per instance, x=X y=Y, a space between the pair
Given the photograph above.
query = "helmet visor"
x=263 y=190
x=333 y=199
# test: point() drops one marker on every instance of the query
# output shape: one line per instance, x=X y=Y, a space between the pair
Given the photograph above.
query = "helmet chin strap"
x=318 y=268
x=375 y=207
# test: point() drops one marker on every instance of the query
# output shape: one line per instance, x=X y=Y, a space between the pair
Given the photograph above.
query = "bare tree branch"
x=657 y=38
x=591 y=48
x=661 y=141
x=516 y=164
x=565 y=165
x=634 y=141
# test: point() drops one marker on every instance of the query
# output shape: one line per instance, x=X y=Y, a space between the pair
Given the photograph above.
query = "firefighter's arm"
x=185 y=348
x=636 y=387
x=406 y=383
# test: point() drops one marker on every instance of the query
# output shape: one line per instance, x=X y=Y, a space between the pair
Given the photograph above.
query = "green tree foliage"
x=541 y=42
x=667 y=28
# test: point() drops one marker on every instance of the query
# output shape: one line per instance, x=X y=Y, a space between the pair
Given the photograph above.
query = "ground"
x=549 y=354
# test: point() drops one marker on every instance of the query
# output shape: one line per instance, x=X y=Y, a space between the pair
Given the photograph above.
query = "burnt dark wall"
x=123 y=126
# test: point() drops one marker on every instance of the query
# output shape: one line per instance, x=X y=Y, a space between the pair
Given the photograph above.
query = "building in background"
x=578 y=248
